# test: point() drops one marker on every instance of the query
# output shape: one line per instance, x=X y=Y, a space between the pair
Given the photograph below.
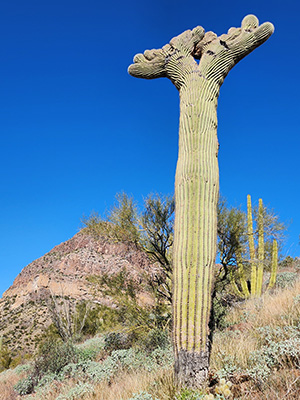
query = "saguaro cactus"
x=257 y=258
x=197 y=174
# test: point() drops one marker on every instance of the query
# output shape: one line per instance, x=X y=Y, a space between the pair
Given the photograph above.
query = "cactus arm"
x=260 y=250
x=241 y=274
x=235 y=287
x=197 y=175
x=243 y=281
x=169 y=61
x=149 y=65
x=217 y=55
x=251 y=246
x=274 y=265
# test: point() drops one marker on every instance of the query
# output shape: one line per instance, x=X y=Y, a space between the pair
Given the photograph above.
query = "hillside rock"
x=63 y=272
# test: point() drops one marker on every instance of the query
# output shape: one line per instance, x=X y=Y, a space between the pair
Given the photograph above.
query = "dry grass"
x=283 y=385
x=236 y=342
x=241 y=338
x=237 y=345
x=160 y=384
x=7 y=381
x=272 y=309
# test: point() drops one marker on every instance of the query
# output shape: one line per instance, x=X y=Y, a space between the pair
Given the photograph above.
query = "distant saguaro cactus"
x=197 y=174
x=257 y=257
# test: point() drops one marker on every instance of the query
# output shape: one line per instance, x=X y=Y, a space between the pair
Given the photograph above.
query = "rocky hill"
x=63 y=272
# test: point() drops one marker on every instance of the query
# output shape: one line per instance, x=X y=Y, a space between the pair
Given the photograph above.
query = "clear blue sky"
x=75 y=128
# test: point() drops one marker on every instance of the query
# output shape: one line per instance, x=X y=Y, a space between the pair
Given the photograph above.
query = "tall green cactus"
x=274 y=265
x=257 y=259
x=251 y=245
x=197 y=175
x=260 y=248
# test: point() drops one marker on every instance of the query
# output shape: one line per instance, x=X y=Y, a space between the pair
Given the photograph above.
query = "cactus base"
x=191 y=368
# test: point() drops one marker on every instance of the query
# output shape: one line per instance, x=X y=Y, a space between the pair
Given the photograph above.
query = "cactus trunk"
x=197 y=176
x=260 y=250
x=274 y=264
x=251 y=246
x=195 y=233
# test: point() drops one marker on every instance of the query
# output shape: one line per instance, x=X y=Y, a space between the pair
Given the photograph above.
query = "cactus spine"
x=197 y=175
x=256 y=262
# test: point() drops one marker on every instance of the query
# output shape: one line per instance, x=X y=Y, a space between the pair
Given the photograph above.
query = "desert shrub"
x=120 y=360
x=162 y=357
x=229 y=365
x=21 y=368
x=280 y=348
x=221 y=304
x=286 y=279
x=188 y=394
x=72 y=320
x=79 y=391
x=5 y=356
x=119 y=225
x=90 y=349
x=25 y=386
x=53 y=356
x=296 y=299
x=291 y=263
x=47 y=379
x=142 y=396
x=117 y=341
x=222 y=392
x=155 y=338
x=98 y=372
x=133 y=320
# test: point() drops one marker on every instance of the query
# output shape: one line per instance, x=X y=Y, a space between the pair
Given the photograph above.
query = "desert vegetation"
x=255 y=355
x=125 y=352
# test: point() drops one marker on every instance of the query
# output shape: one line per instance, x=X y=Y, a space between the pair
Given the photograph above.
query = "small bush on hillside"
x=117 y=341
x=156 y=338
x=24 y=386
x=286 y=279
x=5 y=356
x=291 y=263
x=135 y=323
x=53 y=357
x=21 y=368
x=280 y=348
x=221 y=304
x=142 y=396
x=77 y=392
x=90 y=349
x=120 y=360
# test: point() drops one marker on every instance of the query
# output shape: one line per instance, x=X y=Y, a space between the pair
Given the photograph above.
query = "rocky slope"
x=63 y=272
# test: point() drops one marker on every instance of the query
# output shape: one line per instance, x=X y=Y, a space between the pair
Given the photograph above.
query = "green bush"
x=90 y=349
x=117 y=341
x=286 y=279
x=25 y=386
x=280 y=348
x=77 y=392
x=142 y=396
x=156 y=338
x=53 y=356
x=5 y=356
